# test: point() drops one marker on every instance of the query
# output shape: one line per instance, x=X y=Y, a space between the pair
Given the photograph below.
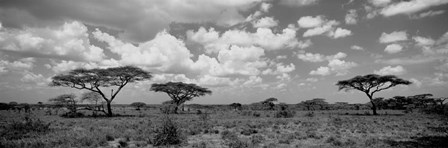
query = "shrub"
x=72 y=115
x=248 y=131
x=168 y=108
x=168 y=134
x=285 y=114
x=28 y=127
x=232 y=140
x=257 y=139
x=309 y=114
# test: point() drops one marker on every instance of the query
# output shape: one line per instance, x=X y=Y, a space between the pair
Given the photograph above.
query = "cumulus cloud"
x=130 y=18
x=310 y=21
x=20 y=65
x=410 y=7
x=339 y=33
x=351 y=16
x=298 y=3
x=323 y=71
x=389 y=70
x=356 y=47
x=265 y=22
x=379 y=2
x=263 y=37
x=310 y=57
x=423 y=41
x=393 y=37
x=393 y=48
x=429 y=13
x=327 y=27
x=335 y=64
x=282 y=71
x=71 y=41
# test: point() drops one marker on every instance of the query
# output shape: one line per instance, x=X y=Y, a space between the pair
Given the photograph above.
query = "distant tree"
x=180 y=92
x=95 y=102
x=235 y=106
x=370 y=84
x=66 y=100
x=319 y=102
x=138 y=105
x=95 y=79
x=270 y=103
x=4 y=106
x=13 y=103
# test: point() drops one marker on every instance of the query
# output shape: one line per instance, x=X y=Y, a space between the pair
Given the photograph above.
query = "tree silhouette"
x=138 y=105
x=66 y=100
x=370 y=84
x=270 y=102
x=95 y=79
x=180 y=92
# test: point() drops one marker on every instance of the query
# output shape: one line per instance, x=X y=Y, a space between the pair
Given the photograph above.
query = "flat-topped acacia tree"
x=180 y=92
x=97 y=79
x=370 y=84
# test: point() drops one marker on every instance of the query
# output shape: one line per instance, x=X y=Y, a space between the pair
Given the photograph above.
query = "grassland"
x=230 y=128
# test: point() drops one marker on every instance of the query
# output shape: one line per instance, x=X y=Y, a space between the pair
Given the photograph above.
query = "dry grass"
x=239 y=129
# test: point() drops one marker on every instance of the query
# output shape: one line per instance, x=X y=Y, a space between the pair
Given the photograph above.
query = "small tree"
x=180 y=92
x=66 y=100
x=235 y=106
x=95 y=79
x=270 y=102
x=138 y=105
x=94 y=99
x=370 y=84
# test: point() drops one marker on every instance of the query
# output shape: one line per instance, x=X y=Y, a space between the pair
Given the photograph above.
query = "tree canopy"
x=370 y=84
x=138 y=105
x=97 y=78
x=180 y=92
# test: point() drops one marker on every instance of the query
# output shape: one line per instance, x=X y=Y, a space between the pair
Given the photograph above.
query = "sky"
x=245 y=51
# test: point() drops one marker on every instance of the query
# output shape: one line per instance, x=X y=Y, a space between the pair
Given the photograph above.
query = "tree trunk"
x=109 y=108
x=373 y=104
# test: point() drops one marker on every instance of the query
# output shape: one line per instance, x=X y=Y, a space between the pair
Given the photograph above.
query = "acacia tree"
x=180 y=92
x=138 y=105
x=94 y=99
x=97 y=79
x=270 y=102
x=66 y=100
x=370 y=84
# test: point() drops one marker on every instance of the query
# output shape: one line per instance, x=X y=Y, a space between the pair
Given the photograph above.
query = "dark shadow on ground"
x=421 y=142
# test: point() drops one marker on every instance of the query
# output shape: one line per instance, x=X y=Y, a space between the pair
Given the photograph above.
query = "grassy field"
x=227 y=129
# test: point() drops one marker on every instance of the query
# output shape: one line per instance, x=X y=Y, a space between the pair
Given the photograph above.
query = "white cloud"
x=339 y=33
x=428 y=14
x=393 y=37
x=16 y=66
x=335 y=64
x=356 y=47
x=327 y=27
x=389 y=70
x=263 y=37
x=310 y=21
x=298 y=3
x=130 y=19
x=281 y=71
x=350 y=17
x=380 y=2
x=409 y=7
x=310 y=57
x=393 y=48
x=341 y=67
x=423 y=41
x=265 y=7
x=323 y=71
x=37 y=79
x=417 y=82
x=265 y=22
x=71 y=40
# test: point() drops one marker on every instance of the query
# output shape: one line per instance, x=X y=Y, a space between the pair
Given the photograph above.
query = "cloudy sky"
x=243 y=50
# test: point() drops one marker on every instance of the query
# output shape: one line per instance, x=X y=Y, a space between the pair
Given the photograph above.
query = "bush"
x=285 y=114
x=72 y=115
x=28 y=127
x=168 y=108
x=232 y=140
x=309 y=114
x=168 y=134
